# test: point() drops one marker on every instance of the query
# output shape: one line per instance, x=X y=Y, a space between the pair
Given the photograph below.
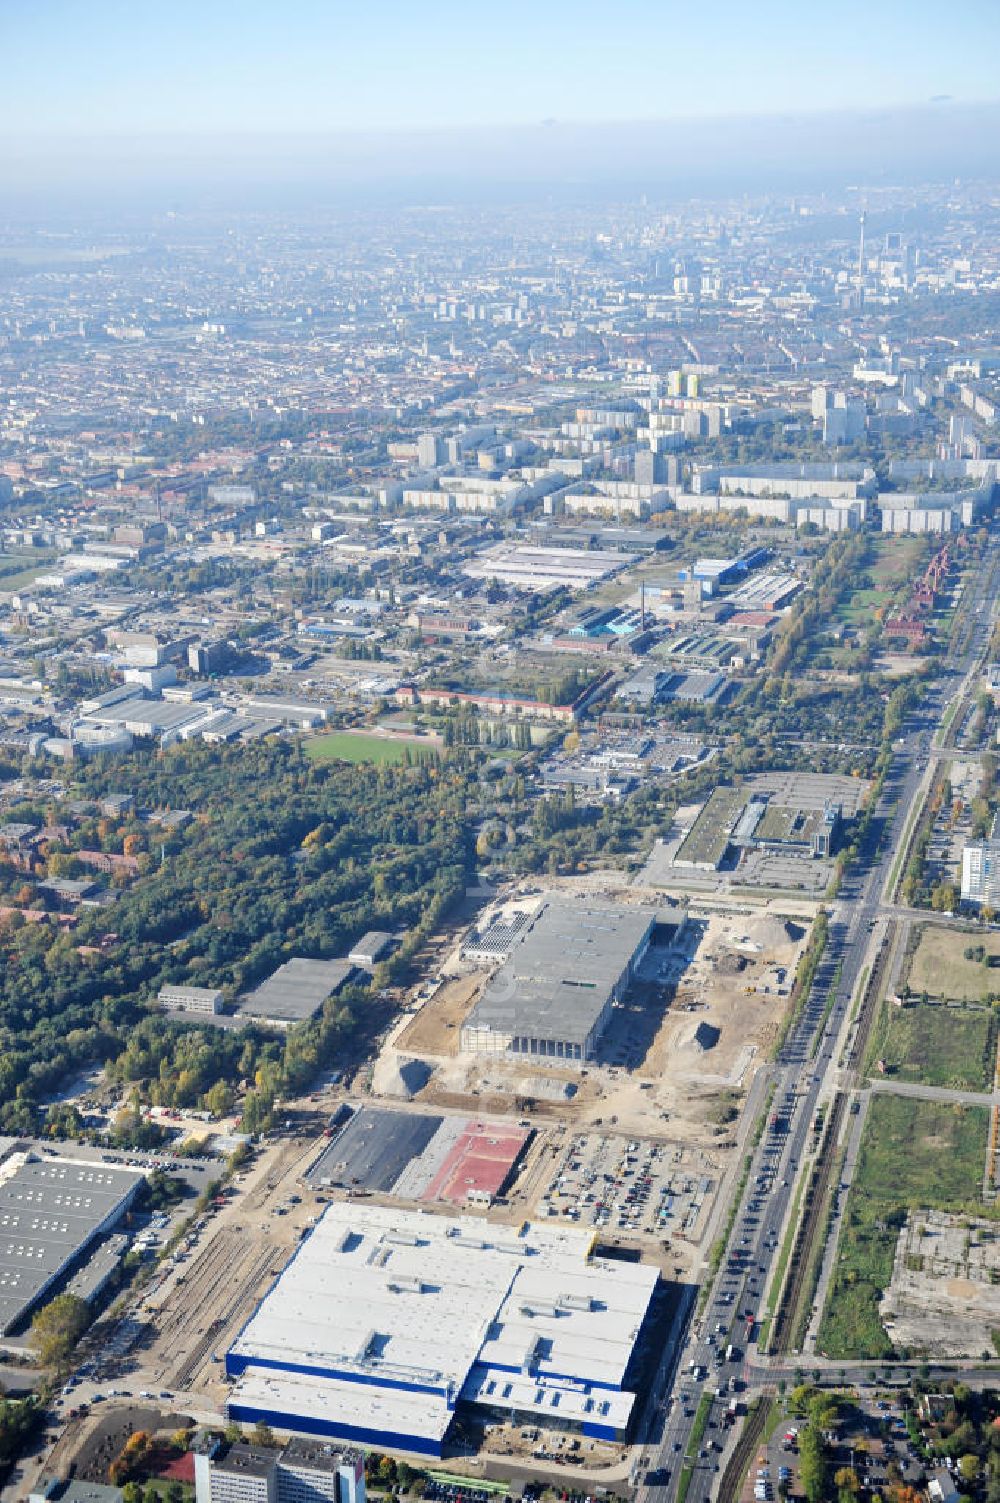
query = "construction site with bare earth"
x=632 y=1145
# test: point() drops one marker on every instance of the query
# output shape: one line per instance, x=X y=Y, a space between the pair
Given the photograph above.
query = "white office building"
x=191 y=999
x=981 y=873
x=301 y=1471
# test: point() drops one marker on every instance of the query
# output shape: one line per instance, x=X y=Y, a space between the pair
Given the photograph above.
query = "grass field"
x=160 y=1486
x=895 y=559
x=860 y=608
x=940 y=969
x=914 y=1154
x=888 y=568
x=18 y=570
x=939 y=1046
x=345 y=746
x=23 y=580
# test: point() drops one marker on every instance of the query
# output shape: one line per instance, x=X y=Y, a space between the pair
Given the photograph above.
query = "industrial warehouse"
x=552 y=998
x=386 y=1322
x=52 y=1212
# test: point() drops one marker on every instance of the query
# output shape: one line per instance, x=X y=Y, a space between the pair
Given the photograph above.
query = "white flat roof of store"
x=386 y=1296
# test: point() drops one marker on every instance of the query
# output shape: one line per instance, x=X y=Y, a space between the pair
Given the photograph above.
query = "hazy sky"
x=122 y=66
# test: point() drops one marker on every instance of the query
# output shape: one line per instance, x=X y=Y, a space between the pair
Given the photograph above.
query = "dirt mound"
x=400 y=1077
x=772 y=933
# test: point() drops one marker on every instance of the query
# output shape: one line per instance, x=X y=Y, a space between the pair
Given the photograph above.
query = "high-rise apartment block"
x=302 y=1471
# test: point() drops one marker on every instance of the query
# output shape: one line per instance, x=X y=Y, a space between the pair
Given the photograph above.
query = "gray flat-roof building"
x=100 y=1267
x=51 y=1211
x=197 y=999
x=74 y=1490
x=296 y=991
x=553 y=996
x=371 y=948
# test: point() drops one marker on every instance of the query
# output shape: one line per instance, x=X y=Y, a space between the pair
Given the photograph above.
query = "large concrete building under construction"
x=552 y=998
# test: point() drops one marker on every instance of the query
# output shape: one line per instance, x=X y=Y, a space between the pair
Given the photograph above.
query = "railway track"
x=223 y=1281
x=233 y=1313
x=731 y=1482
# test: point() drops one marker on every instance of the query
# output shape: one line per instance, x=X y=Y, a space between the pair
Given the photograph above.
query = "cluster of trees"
x=564 y=834
x=131 y=1458
x=142 y=1456
x=282 y=858
x=834 y=573
x=392 y=1476
x=821 y=1411
x=19 y=1418
x=466 y=729
x=358 y=651
x=134 y=1492
x=58 y=1326
x=966 y=1430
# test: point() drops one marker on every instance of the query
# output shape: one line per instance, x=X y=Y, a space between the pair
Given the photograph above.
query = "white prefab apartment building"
x=301 y=1471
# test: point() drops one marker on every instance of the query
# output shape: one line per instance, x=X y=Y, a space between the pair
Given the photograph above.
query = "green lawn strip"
x=13 y=582
x=860 y=607
x=775 y=1415
x=876 y=1038
x=946 y=720
x=802 y=1314
x=891 y=566
x=161 y=1485
x=786 y=1247
x=482 y=1484
x=699 y=1425
x=906 y=840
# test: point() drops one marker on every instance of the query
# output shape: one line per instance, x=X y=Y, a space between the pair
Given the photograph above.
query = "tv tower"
x=861 y=262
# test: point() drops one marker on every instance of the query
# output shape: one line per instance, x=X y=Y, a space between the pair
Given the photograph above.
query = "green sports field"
x=346 y=746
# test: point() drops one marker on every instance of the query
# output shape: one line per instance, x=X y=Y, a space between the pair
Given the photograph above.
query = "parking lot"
x=634 y=1188
x=454 y=1492
x=872 y=1437
x=373 y=1147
